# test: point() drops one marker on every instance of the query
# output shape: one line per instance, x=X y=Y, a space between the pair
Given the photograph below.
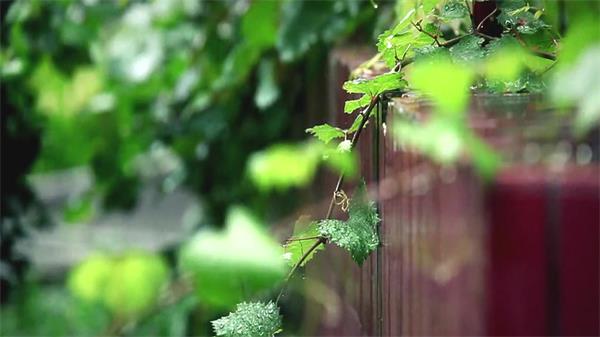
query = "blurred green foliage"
x=178 y=93
x=206 y=82
x=232 y=265
x=127 y=285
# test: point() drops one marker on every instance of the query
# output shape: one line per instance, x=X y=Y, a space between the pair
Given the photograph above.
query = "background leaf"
x=446 y=83
x=227 y=266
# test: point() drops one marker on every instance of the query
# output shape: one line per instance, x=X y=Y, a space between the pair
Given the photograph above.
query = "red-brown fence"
x=518 y=256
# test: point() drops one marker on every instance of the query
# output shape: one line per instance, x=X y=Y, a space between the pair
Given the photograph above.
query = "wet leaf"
x=325 y=132
x=300 y=242
x=454 y=10
x=255 y=319
x=468 y=49
x=376 y=85
x=393 y=45
x=358 y=235
x=517 y=15
x=351 y=105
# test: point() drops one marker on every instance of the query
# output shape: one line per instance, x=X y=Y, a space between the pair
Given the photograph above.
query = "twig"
x=302 y=239
x=543 y=54
x=540 y=53
x=485 y=35
x=452 y=41
x=403 y=63
x=420 y=29
x=486 y=18
x=365 y=116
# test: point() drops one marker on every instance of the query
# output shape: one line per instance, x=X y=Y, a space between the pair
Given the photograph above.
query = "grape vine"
x=453 y=49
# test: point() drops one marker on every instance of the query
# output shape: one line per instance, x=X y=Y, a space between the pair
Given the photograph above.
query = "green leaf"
x=431 y=51
x=445 y=140
x=581 y=35
x=358 y=235
x=227 y=266
x=526 y=81
x=439 y=138
x=135 y=284
x=446 y=83
x=259 y=23
x=376 y=85
x=516 y=15
x=256 y=319
x=237 y=65
x=578 y=86
x=303 y=24
x=298 y=244
x=351 y=105
x=128 y=285
x=283 y=166
x=341 y=159
x=326 y=132
x=429 y=5
x=394 y=45
x=267 y=91
x=454 y=10
x=468 y=49
x=88 y=280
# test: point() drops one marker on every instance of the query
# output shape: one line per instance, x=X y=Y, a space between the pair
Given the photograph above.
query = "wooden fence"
x=518 y=256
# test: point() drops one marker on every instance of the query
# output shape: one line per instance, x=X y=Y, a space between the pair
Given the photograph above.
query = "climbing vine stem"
x=365 y=114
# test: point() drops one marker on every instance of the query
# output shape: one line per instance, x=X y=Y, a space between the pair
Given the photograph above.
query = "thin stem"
x=365 y=114
x=540 y=53
x=402 y=64
x=486 y=18
x=543 y=54
x=485 y=35
x=297 y=265
x=302 y=239
x=420 y=29
x=452 y=41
